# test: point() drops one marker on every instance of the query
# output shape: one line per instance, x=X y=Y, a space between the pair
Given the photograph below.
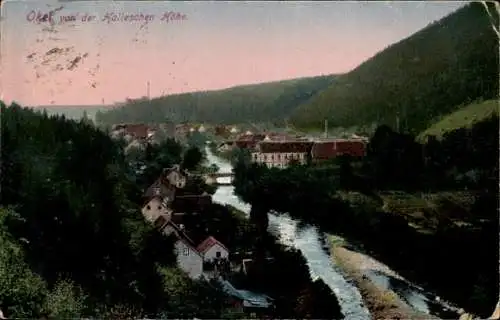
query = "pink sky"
x=220 y=44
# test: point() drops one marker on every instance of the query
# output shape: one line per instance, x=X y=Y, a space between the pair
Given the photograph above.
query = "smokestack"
x=326 y=128
x=397 y=122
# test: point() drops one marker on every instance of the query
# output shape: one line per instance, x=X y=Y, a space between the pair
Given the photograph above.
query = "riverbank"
x=435 y=246
x=304 y=297
x=307 y=240
x=382 y=303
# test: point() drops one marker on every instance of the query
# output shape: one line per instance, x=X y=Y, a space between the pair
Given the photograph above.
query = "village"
x=274 y=149
x=168 y=206
x=171 y=206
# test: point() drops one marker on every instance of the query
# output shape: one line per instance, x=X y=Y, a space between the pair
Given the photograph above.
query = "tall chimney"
x=397 y=122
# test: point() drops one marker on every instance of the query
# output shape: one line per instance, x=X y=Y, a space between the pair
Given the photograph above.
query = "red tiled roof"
x=137 y=130
x=285 y=147
x=209 y=243
x=323 y=150
x=351 y=147
x=244 y=144
x=330 y=149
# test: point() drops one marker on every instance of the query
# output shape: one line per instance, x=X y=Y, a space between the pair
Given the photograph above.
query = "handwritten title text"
x=56 y=17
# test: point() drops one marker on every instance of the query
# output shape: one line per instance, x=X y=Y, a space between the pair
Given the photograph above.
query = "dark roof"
x=249 y=298
x=161 y=189
x=209 y=243
x=181 y=234
x=164 y=200
x=160 y=222
x=190 y=203
x=251 y=137
x=285 y=147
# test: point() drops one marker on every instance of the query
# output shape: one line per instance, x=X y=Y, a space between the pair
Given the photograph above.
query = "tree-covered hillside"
x=451 y=62
x=73 y=243
x=264 y=102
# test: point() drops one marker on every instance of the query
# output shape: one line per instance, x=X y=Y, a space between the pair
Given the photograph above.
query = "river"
x=310 y=242
x=307 y=240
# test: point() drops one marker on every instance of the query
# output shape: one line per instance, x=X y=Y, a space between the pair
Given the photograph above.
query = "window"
x=265 y=157
x=148 y=207
x=186 y=251
x=217 y=254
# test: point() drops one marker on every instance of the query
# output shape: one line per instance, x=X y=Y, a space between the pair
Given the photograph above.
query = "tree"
x=22 y=292
x=192 y=158
x=317 y=301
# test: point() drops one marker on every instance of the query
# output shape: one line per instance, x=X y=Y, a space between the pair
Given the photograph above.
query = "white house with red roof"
x=212 y=249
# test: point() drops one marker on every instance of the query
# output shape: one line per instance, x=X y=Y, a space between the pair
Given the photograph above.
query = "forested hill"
x=265 y=102
x=449 y=63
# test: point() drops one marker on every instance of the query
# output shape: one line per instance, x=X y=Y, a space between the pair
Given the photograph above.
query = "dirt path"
x=383 y=304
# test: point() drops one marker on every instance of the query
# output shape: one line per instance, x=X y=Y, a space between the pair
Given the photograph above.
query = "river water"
x=316 y=252
x=307 y=240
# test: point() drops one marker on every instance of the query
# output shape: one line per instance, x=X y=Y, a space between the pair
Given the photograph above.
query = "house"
x=221 y=131
x=201 y=129
x=191 y=203
x=212 y=249
x=276 y=136
x=139 y=144
x=354 y=148
x=137 y=131
x=169 y=129
x=246 y=144
x=155 y=207
x=249 y=136
x=188 y=258
x=327 y=150
x=131 y=132
x=245 y=300
x=279 y=154
x=158 y=200
x=243 y=141
x=174 y=176
x=234 y=130
x=226 y=146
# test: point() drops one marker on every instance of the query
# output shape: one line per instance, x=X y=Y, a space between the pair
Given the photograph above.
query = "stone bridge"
x=211 y=178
